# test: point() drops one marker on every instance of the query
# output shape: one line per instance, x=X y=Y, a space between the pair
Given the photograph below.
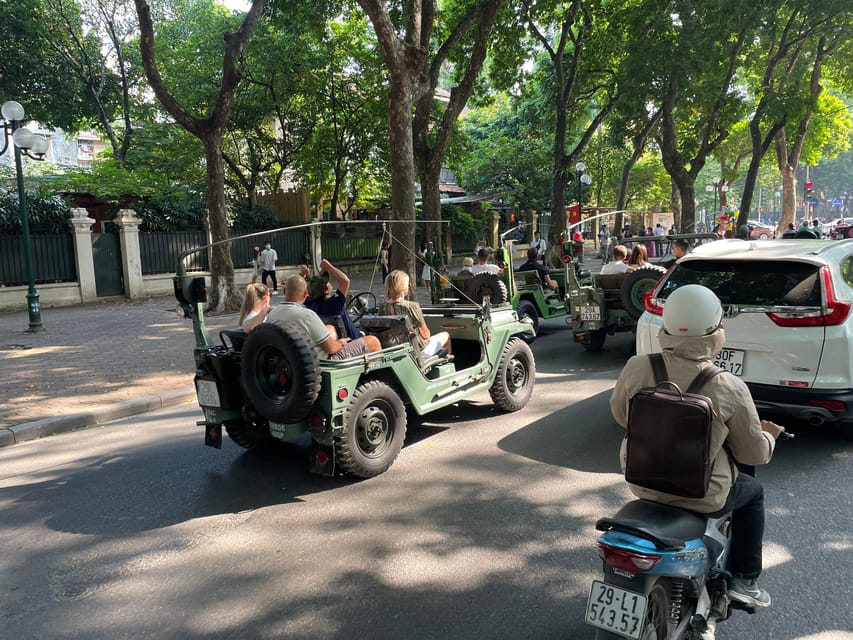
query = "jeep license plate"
x=208 y=394
x=730 y=360
x=616 y=610
x=591 y=312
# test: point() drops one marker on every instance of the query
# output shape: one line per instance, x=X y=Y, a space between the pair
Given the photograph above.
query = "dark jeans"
x=746 y=502
x=266 y=273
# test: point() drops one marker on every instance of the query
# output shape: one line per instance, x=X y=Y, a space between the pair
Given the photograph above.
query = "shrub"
x=44 y=214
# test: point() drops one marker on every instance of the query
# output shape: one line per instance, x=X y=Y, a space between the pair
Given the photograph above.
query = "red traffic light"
x=808 y=185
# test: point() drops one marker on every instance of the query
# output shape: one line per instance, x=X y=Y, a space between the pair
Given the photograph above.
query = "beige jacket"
x=735 y=418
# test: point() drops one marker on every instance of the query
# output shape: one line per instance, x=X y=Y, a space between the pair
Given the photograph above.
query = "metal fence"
x=52 y=254
x=160 y=250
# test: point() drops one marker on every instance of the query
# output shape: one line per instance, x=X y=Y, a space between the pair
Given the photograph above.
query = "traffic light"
x=807 y=189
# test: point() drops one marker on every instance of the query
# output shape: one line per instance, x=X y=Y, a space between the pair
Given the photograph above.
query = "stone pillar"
x=315 y=248
x=81 y=227
x=131 y=259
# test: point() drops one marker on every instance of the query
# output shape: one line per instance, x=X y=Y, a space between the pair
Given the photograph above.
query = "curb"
x=103 y=413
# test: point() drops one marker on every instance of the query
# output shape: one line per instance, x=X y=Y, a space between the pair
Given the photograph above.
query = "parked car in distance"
x=760 y=231
x=787 y=318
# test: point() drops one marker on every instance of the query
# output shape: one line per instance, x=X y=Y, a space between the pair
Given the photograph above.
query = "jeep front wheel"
x=374 y=430
x=513 y=384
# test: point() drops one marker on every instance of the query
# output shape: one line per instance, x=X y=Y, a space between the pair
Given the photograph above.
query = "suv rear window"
x=771 y=283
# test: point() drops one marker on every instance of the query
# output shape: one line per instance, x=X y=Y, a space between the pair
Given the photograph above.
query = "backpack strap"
x=658 y=366
x=703 y=378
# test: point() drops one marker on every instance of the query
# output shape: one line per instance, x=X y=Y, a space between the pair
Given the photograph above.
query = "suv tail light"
x=836 y=310
x=651 y=304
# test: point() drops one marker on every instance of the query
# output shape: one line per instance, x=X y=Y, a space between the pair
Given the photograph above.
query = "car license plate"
x=616 y=610
x=730 y=360
x=208 y=394
x=591 y=312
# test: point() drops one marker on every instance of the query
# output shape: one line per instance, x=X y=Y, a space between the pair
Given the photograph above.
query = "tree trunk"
x=676 y=204
x=402 y=175
x=221 y=296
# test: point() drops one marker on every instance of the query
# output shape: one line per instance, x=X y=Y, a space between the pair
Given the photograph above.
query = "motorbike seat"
x=668 y=527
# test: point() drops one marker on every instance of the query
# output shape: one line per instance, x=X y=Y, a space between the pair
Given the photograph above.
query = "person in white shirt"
x=540 y=245
x=483 y=265
x=267 y=259
x=618 y=265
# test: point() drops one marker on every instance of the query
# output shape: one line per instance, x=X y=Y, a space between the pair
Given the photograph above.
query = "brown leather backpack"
x=669 y=435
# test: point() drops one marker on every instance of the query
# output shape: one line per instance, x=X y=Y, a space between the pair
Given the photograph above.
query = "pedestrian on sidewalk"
x=268 y=258
x=256 y=264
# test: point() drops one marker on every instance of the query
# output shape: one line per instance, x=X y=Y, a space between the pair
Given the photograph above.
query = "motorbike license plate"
x=208 y=394
x=590 y=312
x=730 y=360
x=616 y=610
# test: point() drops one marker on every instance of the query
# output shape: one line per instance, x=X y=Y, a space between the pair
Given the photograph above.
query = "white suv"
x=787 y=317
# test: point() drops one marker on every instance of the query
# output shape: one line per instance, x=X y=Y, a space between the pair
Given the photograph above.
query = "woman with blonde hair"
x=256 y=306
x=396 y=290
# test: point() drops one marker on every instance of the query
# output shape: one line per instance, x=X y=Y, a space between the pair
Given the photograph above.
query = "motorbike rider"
x=690 y=337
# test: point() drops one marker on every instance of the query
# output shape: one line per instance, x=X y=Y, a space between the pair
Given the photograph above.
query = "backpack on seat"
x=669 y=435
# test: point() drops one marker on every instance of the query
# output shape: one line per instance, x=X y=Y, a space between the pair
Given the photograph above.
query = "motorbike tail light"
x=652 y=304
x=836 y=311
x=626 y=560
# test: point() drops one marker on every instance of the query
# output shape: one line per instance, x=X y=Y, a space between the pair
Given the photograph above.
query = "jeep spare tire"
x=280 y=371
x=636 y=285
x=486 y=285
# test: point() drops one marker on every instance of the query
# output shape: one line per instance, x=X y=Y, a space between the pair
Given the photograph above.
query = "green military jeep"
x=522 y=289
x=612 y=303
x=269 y=386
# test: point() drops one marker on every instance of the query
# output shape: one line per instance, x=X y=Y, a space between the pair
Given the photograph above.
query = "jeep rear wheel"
x=635 y=286
x=254 y=436
x=374 y=430
x=526 y=309
x=486 y=285
x=596 y=340
x=516 y=375
x=280 y=372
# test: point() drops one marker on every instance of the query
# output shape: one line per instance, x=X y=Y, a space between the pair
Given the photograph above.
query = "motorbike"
x=665 y=574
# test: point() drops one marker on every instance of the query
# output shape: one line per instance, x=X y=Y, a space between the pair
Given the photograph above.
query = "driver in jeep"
x=325 y=343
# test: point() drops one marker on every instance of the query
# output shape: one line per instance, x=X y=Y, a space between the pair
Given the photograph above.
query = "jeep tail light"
x=652 y=304
x=625 y=559
x=836 y=310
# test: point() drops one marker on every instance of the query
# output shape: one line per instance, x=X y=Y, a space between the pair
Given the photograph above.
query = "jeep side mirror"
x=189 y=290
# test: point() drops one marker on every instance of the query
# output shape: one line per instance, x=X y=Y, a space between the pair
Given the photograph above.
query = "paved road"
x=483 y=528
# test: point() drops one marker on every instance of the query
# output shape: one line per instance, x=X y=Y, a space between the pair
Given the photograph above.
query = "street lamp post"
x=33 y=146
x=582 y=179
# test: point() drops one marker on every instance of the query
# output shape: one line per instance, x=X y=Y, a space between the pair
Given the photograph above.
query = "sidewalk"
x=99 y=362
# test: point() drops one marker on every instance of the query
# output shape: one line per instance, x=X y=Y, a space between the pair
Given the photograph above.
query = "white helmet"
x=692 y=310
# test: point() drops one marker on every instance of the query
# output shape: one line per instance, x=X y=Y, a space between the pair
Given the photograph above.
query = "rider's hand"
x=772 y=428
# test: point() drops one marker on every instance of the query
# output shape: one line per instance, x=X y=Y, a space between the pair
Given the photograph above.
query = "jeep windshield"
x=744 y=283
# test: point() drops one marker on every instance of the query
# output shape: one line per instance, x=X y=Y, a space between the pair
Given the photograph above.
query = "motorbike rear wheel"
x=656 y=625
